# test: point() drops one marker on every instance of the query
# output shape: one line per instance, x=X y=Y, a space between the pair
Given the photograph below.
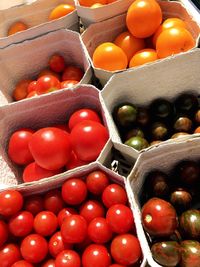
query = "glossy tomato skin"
x=84 y=138
x=114 y=194
x=92 y=209
x=190 y=253
x=99 y=231
x=50 y=148
x=64 y=213
x=72 y=73
x=45 y=223
x=68 y=258
x=9 y=254
x=3 y=232
x=56 y=244
x=22 y=263
x=57 y=63
x=18 y=149
x=11 y=202
x=53 y=201
x=32 y=86
x=68 y=84
x=21 y=224
x=96 y=182
x=49 y=263
x=34 y=204
x=74 y=162
x=47 y=83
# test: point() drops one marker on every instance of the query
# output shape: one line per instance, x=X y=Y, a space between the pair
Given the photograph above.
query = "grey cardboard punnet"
x=107 y=31
x=35 y=15
x=4 y=4
x=27 y=59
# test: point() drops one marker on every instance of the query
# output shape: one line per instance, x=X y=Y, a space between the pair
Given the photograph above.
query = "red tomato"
x=53 y=201
x=84 y=138
x=47 y=83
x=34 y=204
x=21 y=224
x=99 y=231
x=81 y=115
x=3 y=232
x=45 y=223
x=64 y=213
x=57 y=63
x=74 y=191
x=74 y=229
x=22 y=263
x=120 y=218
x=114 y=194
x=117 y=265
x=32 y=86
x=74 y=162
x=56 y=244
x=68 y=84
x=96 y=255
x=125 y=249
x=96 y=182
x=72 y=73
x=18 y=149
x=9 y=254
x=31 y=94
x=92 y=209
x=50 y=148
x=49 y=263
x=68 y=258
x=11 y=202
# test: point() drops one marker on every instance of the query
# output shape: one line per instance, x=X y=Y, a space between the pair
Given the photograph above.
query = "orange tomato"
x=31 y=94
x=90 y=3
x=109 y=57
x=97 y=5
x=17 y=27
x=197 y=130
x=21 y=90
x=129 y=44
x=143 y=18
x=60 y=11
x=49 y=72
x=173 y=41
x=142 y=57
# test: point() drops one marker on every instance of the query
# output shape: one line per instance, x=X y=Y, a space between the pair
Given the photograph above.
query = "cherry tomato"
x=114 y=194
x=49 y=263
x=32 y=86
x=9 y=254
x=84 y=138
x=99 y=231
x=96 y=182
x=56 y=244
x=50 y=148
x=74 y=229
x=96 y=255
x=21 y=224
x=125 y=249
x=18 y=149
x=47 y=83
x=34 y=204
x=21 y=90
x=92 y=209
x=49 y=72
x=74 y=162
x=64 y=213
x=22 y=263
x=45 y=223
x=68 y=84
x=68 y=258
x=34 y=248
x=57 y=63
x=17 y=26
x=120 y=218
x=11 y=202
x=32 y=94
x=60 y=11
x=74 y=191
x=72 y=73
x=53 y=201
x=3 y=232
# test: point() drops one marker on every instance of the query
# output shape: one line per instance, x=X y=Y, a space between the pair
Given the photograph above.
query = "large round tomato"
x=11 y=202
x=50 y=148
x=9 y=254
x=68 y=258
x=21 y=224
x=72 y=73
x=88 y=139
x=46 y=84
x=22 y=263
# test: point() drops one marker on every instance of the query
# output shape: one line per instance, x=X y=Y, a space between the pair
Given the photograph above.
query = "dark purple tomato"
x=190 y=223
x=181 y=199
x=190 y=253
x=188 y=172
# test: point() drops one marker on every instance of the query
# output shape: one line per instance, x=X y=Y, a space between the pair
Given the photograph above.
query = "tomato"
x=81 y=115
x=68 y=84
x=32 y=86
x=57 y=63
x=92 y=209
x=53 y=201
x=143 y=18
x=74 y=191
x=68 y=258
x=3 y=232
x=9 y=254
x=18 y=149
x=64 y=213
x=47 y=84
x=125 y=249
x=21 y=90
x=114 y=194
x=116 y=265
x=32 y=94
x=96 y=182
x=11 y=202
x=22 y=263
x=45 y=72
x=60 y=11
x=50 y=148
x=34 y=248
x=49 y=263
x=74 y=162
x=142 y=57
x=120 y=218
x=99 y=231
x=89 y=3
x=17 y=27
x=159 y=217
x=21 y=224
x=84 y=138
x=74 y=229
x=197 y=130
x=34 y=204
x=45 y=223
x=80 y=247
x=96 y=255
x=56 y=244
x=72 y=73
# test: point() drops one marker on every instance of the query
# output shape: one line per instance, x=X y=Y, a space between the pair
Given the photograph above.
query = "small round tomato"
x=74 y=229
x=34 y=248
x=21 y=224
x=68 y=258
x=99 y=231
x=46 y=84
x=53 y=201
x=3 y=232
x=96 y=255
x=22 y=263
x=197 y=130
x=45 y=223
x=142 y=57
x=50 y=148
x=34 y=204
x=68 y=84
x=92 y=209
x=57 y=63
x=81 y=115
x=120 y=218
x=84 y=138
x=9 y=254
x=21 y=90
x=56 y=244
x=18 y=149
x=72 y=73
x=74 y=162
x=11 y=202
x=32 y=86
x=114 y=194
x=49 y=263
x=74 y=191
x=45 y=72
x=32 y=94
x=17 y=26
x=64 y=213
x=60 y=11
x=96 y=182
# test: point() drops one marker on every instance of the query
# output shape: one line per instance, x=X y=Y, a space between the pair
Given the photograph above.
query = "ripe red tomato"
x=50 y=148
x=64 y=213
x=11 y=202
x=96 y=182
x=81 y=115
x=34 y=248
x=120 y=218
x=125 y=249
x=74 y=191
x=96 y=255
x=99 y=231
x=68 y=84
x=74 y=162
x=84 y=138
x=49 y=263
x=56 y=244
x=53 y=201
x=114 y=194
x=21 y=224
x=3 y=232
x=34 y=204
x=18 y=149
x=92 y=209
x=22 y=263
x=47 y=84
x=9 y=254
x=57 y=63
x=72 y=73
x=45 y=223
x=31 y=94
x=32 y=86
x=68 y=258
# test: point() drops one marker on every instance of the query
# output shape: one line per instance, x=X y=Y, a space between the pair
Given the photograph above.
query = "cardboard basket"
x=35 y=15
x=27 y=59
x=108 y=30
